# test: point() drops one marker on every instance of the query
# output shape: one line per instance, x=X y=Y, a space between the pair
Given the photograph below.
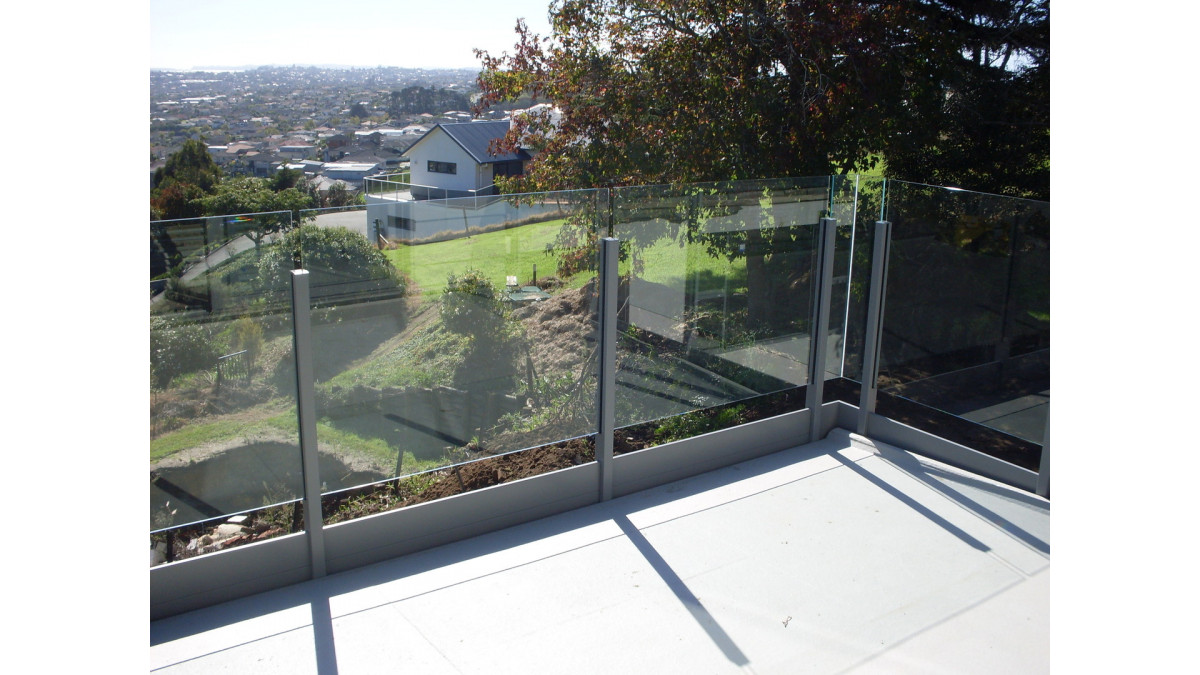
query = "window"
x=443 y=167
x=401 y=223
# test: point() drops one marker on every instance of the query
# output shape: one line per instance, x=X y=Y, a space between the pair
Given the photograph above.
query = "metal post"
x=819 y=335
x=606 y=391
x=306 y=408
x=849 y=276
x=1043 y=479
x=876 y=296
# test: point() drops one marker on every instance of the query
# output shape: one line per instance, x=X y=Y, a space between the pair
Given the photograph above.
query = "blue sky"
x=425 y=34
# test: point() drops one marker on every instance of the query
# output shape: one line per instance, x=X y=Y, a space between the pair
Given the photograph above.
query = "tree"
x=339 y=195
x=651 y=91
x=284 y=179
x=990 y=128
x=246 y=195
x=173 y=199
x=654 y=92
x=191 y=164
x=188 y=175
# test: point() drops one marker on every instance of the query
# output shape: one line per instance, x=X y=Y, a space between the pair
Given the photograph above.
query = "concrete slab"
x=831 y=557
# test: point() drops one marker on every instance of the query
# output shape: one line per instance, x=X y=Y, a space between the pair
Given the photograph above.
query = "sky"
x=186 y=34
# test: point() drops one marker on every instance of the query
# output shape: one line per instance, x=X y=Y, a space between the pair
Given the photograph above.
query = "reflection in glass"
x=967 y=320
x=223 y=434
x=716 y=293
x=466 y=332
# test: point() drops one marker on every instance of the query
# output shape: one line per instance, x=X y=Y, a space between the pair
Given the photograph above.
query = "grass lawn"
x=194 y=435
x=515 y=251
x=496 y=254
x=666 y=262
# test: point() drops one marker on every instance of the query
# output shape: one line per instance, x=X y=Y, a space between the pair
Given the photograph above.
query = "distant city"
x=256 y=119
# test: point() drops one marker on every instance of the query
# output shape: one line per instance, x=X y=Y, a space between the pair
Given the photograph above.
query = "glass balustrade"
x=966 y=328
x=470 y=336
x=456 y=340
x=223 y=432
x=716 y=302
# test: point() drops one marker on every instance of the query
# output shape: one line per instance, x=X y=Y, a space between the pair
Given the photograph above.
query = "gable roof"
x=474 y=138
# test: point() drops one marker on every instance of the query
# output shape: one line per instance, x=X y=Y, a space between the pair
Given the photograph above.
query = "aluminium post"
x=819 y=333
x=607 y=343
x=874 y=332
x=306 y=412
x=1043 y=478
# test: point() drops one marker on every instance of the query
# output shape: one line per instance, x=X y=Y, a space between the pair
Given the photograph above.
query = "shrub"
x=471 y=305
x=180 y=347
x=337 y=260
x=248 y=336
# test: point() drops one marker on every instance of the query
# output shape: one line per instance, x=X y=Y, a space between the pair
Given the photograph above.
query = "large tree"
x=680 y=91
x=674 y=91
x=989 y=130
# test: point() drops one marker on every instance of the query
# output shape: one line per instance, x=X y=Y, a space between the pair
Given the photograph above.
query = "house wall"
x=439 y=147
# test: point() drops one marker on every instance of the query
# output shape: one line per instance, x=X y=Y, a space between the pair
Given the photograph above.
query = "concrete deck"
x=827 y=558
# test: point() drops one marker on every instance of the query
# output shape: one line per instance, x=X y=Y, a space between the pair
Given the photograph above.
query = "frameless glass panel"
x=848 y=300
x=223 y=429
x=469 y=335
x=201 y=262
x=966 y=326
x=716 y=297
x=353 y=218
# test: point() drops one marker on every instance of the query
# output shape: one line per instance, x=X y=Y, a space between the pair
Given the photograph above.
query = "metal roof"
x=475 y=137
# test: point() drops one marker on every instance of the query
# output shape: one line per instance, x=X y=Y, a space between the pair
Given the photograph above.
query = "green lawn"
x=515 y=251
x=496 y=254
x=666 y=262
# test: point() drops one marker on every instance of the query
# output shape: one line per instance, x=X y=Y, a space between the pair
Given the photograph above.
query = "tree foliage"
x=179 y=346
x=191 y=164
x=189 y=175
x=254 y=195
x=990 y=128
x=336 y=259
x=658 y=91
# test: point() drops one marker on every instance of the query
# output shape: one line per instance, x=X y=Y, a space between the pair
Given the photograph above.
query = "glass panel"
x=353 y=218
x=967 y=323
x=848 y=302
x=716 y=297
x=470 y=335
x=223 y=431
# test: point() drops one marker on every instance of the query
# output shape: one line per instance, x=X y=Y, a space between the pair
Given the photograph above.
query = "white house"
x=456 y=160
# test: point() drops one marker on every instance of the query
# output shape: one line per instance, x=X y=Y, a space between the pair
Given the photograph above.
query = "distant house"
x=350 y=172
x=456 y=160
x=297 y=150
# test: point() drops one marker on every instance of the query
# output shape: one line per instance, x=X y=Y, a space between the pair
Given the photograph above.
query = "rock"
x=229 y=530
x=158 y=554
x=232 y=541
